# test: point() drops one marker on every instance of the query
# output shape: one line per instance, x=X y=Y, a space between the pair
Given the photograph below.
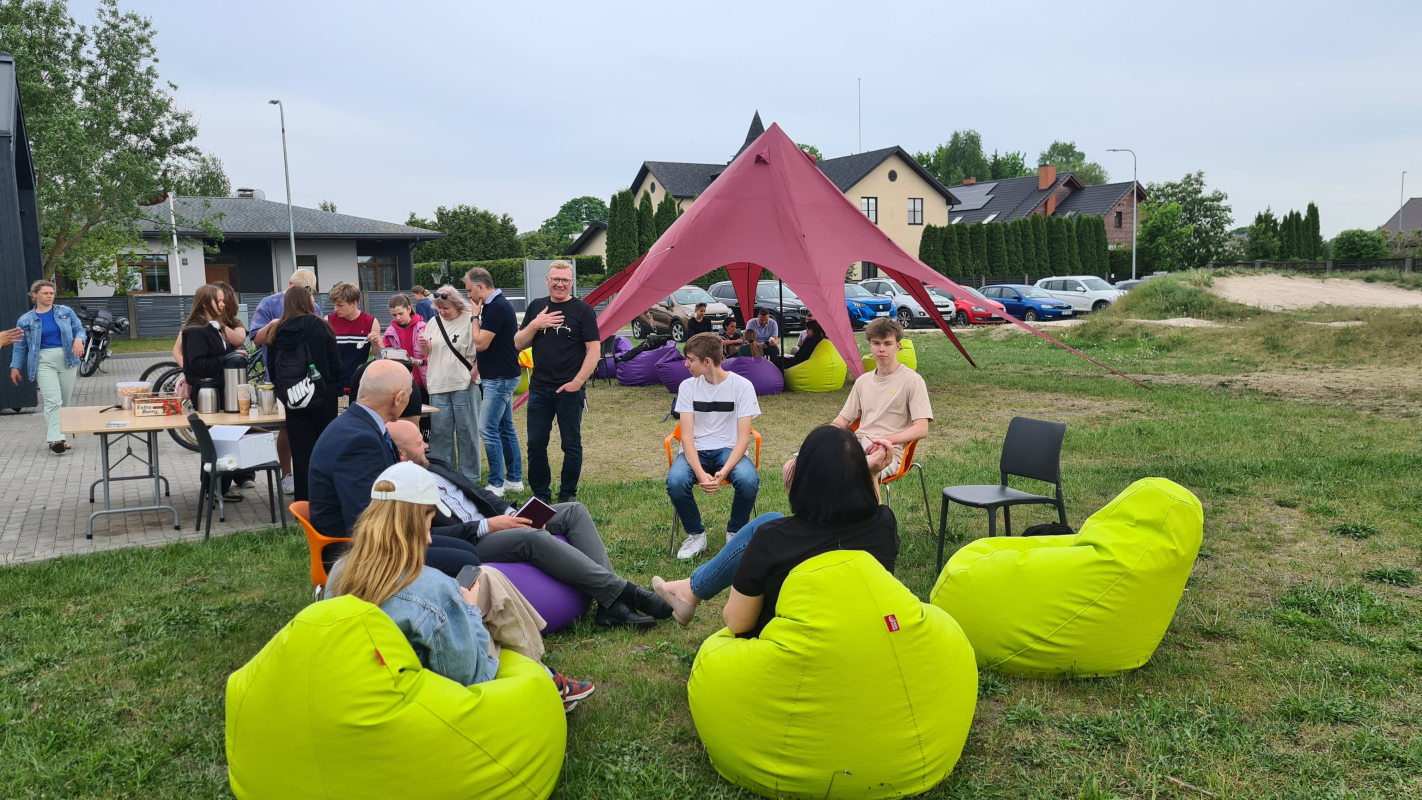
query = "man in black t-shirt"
x=563 y=333
x=495 y=326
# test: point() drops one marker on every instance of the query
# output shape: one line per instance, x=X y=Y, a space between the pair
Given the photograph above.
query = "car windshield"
x=974 y=292
x=1097 y=285
x=855 y=290
x=772 y=291
x=937 y=292
x=1032 y=291
x=691 y=295
x=892 y=286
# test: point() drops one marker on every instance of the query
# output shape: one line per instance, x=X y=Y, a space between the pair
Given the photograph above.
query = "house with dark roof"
x=1048 y=194
x=888 y=185
x=254 y=254
x=1411 y=214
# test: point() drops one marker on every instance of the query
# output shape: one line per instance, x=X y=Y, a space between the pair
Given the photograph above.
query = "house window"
x=377 y=273
x=1118 y=219
x=309 y=262
x=145 y=273
x=870 y=207
x=654 y=187
x=893 y=176
x=915 y=211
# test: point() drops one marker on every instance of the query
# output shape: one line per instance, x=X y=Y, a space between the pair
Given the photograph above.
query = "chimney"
x=1046 y=176
x=251 y=194
x=969 y=181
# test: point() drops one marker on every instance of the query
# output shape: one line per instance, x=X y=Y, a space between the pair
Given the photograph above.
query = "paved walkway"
x=45 y=497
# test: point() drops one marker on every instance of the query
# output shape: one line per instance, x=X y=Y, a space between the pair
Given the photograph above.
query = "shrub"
x=1357 y=244
x=1183 y=294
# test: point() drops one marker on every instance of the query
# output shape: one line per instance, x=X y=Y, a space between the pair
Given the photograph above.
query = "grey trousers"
x=582 y=562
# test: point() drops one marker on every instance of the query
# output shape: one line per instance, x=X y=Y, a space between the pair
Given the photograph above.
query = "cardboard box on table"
x=250 y=449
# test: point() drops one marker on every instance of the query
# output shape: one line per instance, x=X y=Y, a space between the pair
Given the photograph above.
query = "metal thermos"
x=234 y=372
x=266 y=396
x=207 y=400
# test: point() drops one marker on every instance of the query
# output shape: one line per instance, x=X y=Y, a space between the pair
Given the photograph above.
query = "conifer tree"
x=1103 y=247
x=1073 y=247
x=1029 y=245
x=1041 y=235
x=965 y=250
x=1014 y=245
x=666 y=214
x=952 y=258
x=979 y=241
x=996 y=249
x=930 y=248
x=646 y=224
x=1060 y=256
x=1313 y=238
x=622 y=235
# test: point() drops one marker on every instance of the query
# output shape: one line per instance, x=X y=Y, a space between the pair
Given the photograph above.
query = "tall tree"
x=1060 y=256
x=812 y=150
x=1041 y=235
x=1014 y=245
x=666 y=213
x=1074 y=249
x=202 y=175
x=103 y=128
x=1029 y=245
x=965 y=250
x=646 y=223
x=1207 y=215
x=470 y=234
x=575 y=215
x=997 y=249
x=979 y=243
x=930 y=248
x=1066 y=158
x=1012 y=164
x=1262 y=242
x=1102 y=246
x=958 y=158
x=952 y=253
x=1162 y=238
x=623 y=239
x=1313 y=238
x=541 y=244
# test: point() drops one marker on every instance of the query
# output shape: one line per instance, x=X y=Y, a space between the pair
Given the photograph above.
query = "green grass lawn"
x=1292 y=668
x=142 y=345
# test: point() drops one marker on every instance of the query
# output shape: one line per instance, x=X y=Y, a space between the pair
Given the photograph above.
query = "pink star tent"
x=773 y=208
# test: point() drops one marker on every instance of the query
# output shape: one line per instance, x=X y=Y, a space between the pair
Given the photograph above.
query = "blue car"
x=864 y=306
x=1028 y=303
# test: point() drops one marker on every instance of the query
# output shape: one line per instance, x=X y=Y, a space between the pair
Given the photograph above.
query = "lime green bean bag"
x=337 y=705
x=907 y=356
x=855 y=689
x=1093 y=604
x=823 y=371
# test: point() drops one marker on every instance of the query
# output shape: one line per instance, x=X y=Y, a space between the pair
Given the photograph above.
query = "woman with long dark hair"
x=834 y=505
x=301 y=325
x=813 y=335
x=204 y=341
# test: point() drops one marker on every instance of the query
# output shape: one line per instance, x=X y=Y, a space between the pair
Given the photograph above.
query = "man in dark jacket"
x=483 y=519
x=351 y=454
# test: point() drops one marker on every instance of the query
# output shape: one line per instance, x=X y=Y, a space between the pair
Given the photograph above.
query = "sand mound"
x=1279 y=293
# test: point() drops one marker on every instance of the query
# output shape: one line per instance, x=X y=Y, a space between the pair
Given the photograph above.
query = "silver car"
x=908 y=311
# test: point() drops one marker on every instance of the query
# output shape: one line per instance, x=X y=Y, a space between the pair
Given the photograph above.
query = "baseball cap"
x=413 y=484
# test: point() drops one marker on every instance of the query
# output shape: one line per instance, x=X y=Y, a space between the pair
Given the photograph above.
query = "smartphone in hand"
x=468 y=575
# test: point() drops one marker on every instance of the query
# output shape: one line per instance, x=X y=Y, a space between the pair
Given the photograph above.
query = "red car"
x=973 y=310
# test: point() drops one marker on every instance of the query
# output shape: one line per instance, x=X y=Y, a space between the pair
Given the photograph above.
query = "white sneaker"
x=694 y=544
x=497 y=491
x=249 y=484
x=288 y=484
x=513 y=486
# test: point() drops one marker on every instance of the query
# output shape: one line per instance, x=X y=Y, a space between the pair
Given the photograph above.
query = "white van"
x=1084 y=292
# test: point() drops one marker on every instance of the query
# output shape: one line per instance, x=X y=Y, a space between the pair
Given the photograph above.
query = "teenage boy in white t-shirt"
x=716 y=409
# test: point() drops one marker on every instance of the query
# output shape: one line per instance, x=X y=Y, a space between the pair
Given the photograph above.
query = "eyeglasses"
x=560 y=281
x=444 y=296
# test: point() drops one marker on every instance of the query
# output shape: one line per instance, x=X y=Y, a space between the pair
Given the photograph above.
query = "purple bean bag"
x=620 y=345
x=557 y=602
x=642 y=369
x=762 y=374
x=672 y=371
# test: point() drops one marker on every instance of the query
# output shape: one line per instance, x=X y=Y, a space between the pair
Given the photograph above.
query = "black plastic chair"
x=211 y=479
x=1032 y=449
x=607 y=361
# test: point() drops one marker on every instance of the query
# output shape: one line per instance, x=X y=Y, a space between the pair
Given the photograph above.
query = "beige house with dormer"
x=892 y=190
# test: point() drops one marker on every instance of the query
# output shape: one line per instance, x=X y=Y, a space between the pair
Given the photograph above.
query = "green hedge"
x=507 y=272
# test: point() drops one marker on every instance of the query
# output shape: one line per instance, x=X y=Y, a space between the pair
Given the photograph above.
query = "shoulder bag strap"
x=442 y=332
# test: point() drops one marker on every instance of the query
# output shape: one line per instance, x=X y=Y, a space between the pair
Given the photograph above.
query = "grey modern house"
x=254 y=255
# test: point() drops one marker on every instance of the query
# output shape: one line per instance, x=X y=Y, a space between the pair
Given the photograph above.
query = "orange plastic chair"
x=904 y=467
x=671 y=459
x=315 y=542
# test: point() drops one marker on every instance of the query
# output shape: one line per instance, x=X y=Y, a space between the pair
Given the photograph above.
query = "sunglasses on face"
x=444 y=296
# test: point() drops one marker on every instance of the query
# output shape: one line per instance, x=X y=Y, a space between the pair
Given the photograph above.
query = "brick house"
x=1048 y=194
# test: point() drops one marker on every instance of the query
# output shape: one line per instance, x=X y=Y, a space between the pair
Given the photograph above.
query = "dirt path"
x=1279 y=293
x=1390 y=391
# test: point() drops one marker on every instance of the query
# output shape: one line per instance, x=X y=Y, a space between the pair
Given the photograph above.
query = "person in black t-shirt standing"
x=494 y=332
x=563 y=333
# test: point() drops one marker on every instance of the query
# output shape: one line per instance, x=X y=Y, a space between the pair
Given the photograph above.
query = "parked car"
x=974 y=309
x=1084 y=292
x=789 y=318
x=864 y=306
x=1127 y=285
x=670 y=315
x=908 y=311
x=1028 y=302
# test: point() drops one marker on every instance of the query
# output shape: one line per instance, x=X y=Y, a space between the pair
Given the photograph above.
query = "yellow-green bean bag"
x=823 y=371
x=525 y=364
x=1093 y=604
x=907 y=356
x=337 y=705
x=855 y=690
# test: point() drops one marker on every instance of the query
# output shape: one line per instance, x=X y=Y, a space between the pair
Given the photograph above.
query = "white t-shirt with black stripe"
x=715 y=408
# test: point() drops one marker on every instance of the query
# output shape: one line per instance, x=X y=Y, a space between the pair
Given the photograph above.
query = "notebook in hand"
x=536 y=510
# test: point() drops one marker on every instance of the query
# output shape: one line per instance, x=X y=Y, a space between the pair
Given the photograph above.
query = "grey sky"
x=517 y=107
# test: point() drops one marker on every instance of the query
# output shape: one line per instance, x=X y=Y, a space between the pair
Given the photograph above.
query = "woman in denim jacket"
x=49 y=349
x=385 y=566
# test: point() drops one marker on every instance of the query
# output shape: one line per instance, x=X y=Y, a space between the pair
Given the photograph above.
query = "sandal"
x=233 y=495
x=58 y=447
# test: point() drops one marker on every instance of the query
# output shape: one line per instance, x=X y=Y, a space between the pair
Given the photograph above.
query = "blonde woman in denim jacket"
x=49 y=349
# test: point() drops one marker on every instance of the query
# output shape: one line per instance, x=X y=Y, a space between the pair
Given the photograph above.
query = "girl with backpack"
x=302 y=340
x=448 y=340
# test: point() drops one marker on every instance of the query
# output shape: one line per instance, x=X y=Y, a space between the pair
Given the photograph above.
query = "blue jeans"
x=681 y=481
x=496 y=428
x=457 y=425
x=715 y=576
x=567 y=407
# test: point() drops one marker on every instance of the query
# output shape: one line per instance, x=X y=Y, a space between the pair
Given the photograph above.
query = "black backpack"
x=291 y=374
x=1049 y=529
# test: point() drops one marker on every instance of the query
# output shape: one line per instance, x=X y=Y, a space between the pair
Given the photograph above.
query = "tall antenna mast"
x=860 y=81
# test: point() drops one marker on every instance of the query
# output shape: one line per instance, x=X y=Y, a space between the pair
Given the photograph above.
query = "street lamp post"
x=286 y=166
x=1135 y=217
x=1401 y=201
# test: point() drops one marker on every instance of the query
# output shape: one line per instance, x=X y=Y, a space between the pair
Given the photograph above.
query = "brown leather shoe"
x=58 y=447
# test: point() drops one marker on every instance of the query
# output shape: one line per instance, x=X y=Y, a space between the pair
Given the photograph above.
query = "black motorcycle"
x=100 y=326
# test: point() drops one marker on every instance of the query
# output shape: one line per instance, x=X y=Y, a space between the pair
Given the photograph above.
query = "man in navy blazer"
x=351 y=454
